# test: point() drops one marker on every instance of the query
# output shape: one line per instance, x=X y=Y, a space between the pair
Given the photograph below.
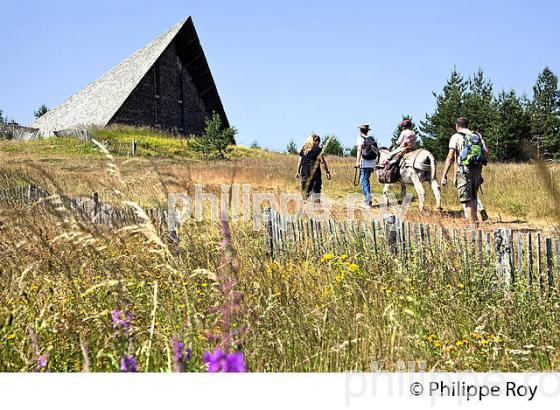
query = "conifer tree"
x=479 y=106
x=437 y=128
x=512 y=128
x=544 y=110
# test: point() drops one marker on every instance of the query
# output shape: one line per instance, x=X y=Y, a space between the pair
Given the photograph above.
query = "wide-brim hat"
x=364 y=126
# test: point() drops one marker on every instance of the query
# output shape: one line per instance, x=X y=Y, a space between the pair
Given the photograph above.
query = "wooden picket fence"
x=91 y=208
x=525 y=257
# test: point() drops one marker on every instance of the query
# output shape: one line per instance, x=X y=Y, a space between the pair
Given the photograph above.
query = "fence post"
x=133 y=147
x=268 y=232
x=172 y=224
x=96 y=204
x=504 y=253
x=389 y=223
x=548 y=250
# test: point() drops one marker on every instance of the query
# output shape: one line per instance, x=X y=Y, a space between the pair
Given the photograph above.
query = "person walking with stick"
x=366 y=159
x=309 y=167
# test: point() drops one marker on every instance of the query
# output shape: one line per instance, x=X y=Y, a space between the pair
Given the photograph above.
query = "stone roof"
x=96 y=104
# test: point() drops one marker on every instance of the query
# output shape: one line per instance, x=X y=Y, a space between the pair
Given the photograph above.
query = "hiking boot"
x=483 y=214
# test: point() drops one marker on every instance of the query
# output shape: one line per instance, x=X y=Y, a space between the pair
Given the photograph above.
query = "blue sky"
x=285 y=68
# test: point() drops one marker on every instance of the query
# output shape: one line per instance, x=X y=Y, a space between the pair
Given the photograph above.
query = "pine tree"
x=291 y=148
x=545 y=115
x=333 y=146
x=512 y=128
x=2 y=118
x=215 y=141
x=479 y=106
x=437 y=128
x=41 y=111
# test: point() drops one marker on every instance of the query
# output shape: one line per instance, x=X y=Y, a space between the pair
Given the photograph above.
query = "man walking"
x=366 y=159
x=469 y=152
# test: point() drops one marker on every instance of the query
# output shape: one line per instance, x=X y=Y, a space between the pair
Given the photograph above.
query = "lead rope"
x=356 y=176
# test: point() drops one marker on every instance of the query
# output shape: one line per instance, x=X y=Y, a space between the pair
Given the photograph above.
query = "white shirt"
x=365 y=163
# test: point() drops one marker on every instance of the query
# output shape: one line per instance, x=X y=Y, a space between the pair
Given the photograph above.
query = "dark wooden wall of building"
x=165 y=98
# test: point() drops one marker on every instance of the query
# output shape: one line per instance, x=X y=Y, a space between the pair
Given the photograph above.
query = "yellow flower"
x=343 y=257
x=437 y=343
x=459 y=343
x=353 y=268
x=339 y=278
x=461 y=286
x=327 y=257
x=484 y=342
x=10 y=337
x=431 y=338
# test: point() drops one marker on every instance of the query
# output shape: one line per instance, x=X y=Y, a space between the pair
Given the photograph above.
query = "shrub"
x=216 y=140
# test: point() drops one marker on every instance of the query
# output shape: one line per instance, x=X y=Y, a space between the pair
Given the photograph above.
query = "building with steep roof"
x=167 y=85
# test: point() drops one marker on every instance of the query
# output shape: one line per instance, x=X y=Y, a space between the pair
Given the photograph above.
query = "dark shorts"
x=468 y=183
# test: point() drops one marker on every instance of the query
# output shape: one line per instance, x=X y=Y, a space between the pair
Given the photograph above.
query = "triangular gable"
x=99 y=101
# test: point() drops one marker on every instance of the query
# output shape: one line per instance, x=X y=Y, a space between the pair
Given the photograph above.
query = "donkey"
x=416 y=167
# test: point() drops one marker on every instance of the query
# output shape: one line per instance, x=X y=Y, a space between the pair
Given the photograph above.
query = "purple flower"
x=180 y=356
x=219 y=361
x=122 y=323
x=128 y=364
x=42 y=361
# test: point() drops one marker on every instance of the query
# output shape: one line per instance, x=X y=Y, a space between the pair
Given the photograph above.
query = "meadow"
x=76 y=296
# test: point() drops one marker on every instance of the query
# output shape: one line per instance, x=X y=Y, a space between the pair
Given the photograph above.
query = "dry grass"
x=61 y=276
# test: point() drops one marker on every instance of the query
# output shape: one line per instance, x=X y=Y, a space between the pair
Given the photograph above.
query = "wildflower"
x=42 y=361
x=123 y=323
x=339 y=278
x=343 y=257
x=219 y=361
x=353 y=267
x=437 y=343
x=180 y=356
x=461 y=286
x=327 y=257
x=128 y=364
x=459 y=343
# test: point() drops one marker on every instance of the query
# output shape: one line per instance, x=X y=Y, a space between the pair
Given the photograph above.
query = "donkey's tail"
x=433 y=165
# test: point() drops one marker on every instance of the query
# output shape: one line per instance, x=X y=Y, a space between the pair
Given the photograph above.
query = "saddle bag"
x=389 y=174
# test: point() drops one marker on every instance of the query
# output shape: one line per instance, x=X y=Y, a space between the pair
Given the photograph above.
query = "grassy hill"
x=118 y=139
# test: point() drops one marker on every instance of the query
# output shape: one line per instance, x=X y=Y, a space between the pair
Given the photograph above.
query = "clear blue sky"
x=285 y=68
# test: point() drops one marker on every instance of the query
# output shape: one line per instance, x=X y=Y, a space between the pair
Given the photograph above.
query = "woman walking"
x=309 y=166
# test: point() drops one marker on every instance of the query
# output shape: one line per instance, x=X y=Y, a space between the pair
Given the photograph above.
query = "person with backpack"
x=309 y=166
x=468 y=150
x=366 y=159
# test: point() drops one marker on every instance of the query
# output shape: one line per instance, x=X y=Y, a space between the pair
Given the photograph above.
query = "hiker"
x=366 y=159
x=479 y=206
x=309 y=166
x=406 y=141
x=468 y=150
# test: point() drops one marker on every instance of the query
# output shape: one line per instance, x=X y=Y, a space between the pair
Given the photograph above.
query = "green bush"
x=216 y=140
